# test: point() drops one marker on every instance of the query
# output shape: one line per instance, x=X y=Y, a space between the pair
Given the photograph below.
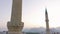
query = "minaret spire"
x=46 y=15
x=47 y=22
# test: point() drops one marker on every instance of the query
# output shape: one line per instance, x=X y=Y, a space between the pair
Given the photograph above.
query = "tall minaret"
x=15 y=25
x=47 y=22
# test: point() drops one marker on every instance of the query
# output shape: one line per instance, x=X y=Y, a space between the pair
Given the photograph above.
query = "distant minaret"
x=47 y=22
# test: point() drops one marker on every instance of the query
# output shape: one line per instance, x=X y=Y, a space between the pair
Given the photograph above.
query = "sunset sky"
x=33 y=13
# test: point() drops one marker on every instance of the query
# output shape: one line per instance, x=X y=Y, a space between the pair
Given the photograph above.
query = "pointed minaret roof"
x=46 y=11
x=46 y=15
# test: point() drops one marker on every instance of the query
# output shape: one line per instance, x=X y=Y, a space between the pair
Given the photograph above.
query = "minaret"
x=47 y=22
x=15 y=25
